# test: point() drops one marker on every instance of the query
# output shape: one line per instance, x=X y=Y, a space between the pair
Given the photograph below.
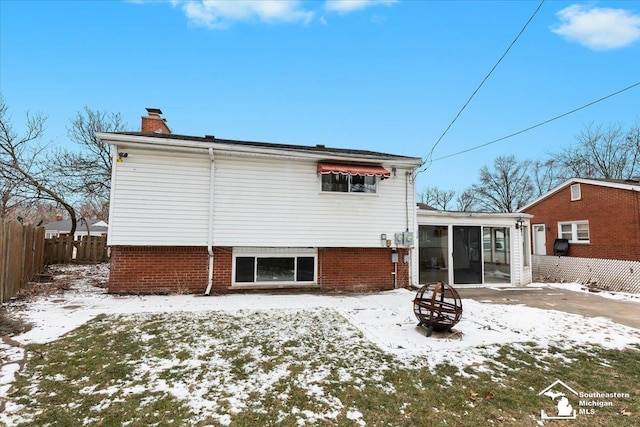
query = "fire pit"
x=438 y=307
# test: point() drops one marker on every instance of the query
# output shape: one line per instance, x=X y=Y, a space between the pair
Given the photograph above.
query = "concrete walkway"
x=584 y=303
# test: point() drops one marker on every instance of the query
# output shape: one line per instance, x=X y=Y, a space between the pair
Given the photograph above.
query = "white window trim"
x=574 y=231
x=577 y=196
x=274 y=253
x=350 y=193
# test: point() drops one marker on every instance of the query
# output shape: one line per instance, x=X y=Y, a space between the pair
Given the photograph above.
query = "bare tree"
x=544 y=176
x=506 y=188
x=34 y=212
x=436 y=197
x=87 y=172
x=94 y=209
x=599 y=152
x=22 y=161
x=466 y=201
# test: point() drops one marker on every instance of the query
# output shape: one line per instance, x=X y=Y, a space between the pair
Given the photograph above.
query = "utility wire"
x=429 y=156
x=539 y=124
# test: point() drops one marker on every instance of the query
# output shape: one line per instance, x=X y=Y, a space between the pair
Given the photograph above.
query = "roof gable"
x=620 y=184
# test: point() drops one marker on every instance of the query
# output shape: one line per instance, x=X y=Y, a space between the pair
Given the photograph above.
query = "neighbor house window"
x=575 y=192
x=265 y=269
x=574 y=232
x=349 y=183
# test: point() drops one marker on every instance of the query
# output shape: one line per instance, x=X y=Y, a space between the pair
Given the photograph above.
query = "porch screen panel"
x=433 y=243
x=496 y=244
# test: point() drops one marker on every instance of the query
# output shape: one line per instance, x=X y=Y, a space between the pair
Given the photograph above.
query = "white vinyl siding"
x=160 y=199
x=279 y=203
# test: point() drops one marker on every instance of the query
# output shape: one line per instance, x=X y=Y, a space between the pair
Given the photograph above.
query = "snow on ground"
x=577 y=287
x=385 y=318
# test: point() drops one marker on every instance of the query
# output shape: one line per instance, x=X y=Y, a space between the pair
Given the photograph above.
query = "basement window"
x=269 y=269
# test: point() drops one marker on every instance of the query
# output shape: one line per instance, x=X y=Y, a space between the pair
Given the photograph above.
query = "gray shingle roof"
x=305 y=148
x=64 y=226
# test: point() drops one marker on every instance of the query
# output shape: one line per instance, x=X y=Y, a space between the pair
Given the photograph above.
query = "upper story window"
x=575 y=232
x=349 y=183
x=575 y=192
x=345 y=178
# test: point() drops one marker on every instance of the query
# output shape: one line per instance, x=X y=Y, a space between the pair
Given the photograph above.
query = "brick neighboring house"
x=600 y=218
x=204 y=214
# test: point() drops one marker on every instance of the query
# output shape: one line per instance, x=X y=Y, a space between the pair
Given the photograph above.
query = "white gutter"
x=210 y=226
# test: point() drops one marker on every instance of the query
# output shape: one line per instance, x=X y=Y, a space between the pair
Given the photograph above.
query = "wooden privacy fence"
x=85 y=250
x=21 y=256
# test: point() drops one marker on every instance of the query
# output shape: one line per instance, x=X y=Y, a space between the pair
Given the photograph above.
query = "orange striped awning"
x=345 y=169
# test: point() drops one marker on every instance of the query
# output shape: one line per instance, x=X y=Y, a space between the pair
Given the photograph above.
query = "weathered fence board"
x=21 y=256
x=85 y=250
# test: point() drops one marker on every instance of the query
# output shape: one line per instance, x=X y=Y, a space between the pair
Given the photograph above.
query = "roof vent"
x=209 y=137
x=320 y=146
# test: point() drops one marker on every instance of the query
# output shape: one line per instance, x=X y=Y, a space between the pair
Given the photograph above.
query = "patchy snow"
x=577 y=287
x=386 y=319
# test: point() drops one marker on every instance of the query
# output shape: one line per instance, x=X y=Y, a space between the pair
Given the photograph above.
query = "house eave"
x=170 y=144
x=477 y=215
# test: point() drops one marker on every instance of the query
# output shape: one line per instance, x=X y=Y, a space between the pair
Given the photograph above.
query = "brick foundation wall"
x=160 y=269
x=151 y=269
x=360 y=269
x=613 y=215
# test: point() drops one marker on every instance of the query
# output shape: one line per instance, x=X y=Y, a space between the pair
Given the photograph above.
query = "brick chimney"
x=154 y=122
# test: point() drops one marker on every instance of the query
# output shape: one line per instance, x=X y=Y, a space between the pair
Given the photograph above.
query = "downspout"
x=406 y=198
x=210 y=223
x=407 y=181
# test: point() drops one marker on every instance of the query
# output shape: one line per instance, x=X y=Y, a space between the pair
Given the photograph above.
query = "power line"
x=430 y=155
x=539 y=124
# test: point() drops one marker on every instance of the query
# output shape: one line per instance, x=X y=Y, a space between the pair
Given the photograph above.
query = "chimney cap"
x=154 y=111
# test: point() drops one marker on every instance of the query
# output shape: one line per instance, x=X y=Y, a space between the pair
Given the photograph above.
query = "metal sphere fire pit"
x=438 y=307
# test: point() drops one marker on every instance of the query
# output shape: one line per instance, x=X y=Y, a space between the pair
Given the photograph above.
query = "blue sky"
x=379 y=75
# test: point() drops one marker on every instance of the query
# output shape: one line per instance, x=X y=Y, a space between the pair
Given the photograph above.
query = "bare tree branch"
x=506 y=188
x=599 y=152
x=436 y=197
x=21 y=161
